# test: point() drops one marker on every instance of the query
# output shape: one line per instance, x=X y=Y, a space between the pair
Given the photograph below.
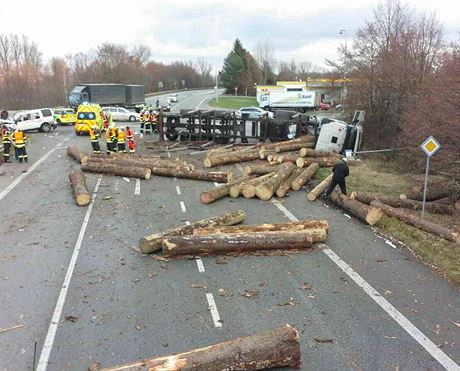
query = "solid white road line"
x=200 y=265
x=205 y=98
x=413 y=331
x=182 y=207
x=21 y=177
x=137 y=189
x=50 y=336
x=213 y=309
x=178 y=190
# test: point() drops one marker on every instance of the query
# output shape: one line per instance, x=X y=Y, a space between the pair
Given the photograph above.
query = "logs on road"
x=284 y=188
x=321 y=161
x=264 y=350
x=307 y=152
x=305 y=176
x=249 y=189
x=294 y=146
x=266 y=189
x=319 y=189
x=154 y=241
x=217 y=159
x=80 y=191
x=260 y=169
x=417 y=222
x=435 y=192
x=368 y=214
x=113 y=169
x=431 y=207
x=237 y=242
x=221 y=191
x=237 y=189
x=302 y=139
x=75 y=153
x=197 y=174
x=137 y=161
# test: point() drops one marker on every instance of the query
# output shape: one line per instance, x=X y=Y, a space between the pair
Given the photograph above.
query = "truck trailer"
x=107 y=95
x=299 y=100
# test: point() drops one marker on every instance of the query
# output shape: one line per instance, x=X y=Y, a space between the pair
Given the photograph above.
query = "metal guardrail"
x=175 y=91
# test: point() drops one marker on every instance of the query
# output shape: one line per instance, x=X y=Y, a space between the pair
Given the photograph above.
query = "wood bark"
x=236 y=189
x=80 y=191
x=433 y=208
x=197 y=174
x=153 y=242
x=287 y=157
x=221 y=191
x=266 y=189
x=235 y=242
x=249 y=189
x=260 y=169
x=417 y=222
x=264 y=153
x=114 y=169
x=368 y=214
x=302 y=139
x=229 y=158
x=319 y=189
x=305 y=176
x=284 y=188
x=294 y=146
x=307 y=152
x=76 y=154
x=143 y=162
x=434 y=192
x=321 y=161
x=264 y=350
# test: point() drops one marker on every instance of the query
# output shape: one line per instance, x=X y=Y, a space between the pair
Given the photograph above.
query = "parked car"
x=122 y=114
x=37 y=119
x=172 y=98
x=64 y=116
x=253 y=113
x=324 y=106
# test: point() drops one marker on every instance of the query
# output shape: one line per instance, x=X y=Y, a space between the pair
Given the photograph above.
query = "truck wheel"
x=132 y=118
x=45 y=127
x=172 y=134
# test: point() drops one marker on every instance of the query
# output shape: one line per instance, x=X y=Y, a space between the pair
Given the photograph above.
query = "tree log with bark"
x=143 y=162
x=321 y=161
x=80 y=191
x=249 y=189
x=221 y=191
x=287 y=157
x=305 y=176
x=307 y=152
x=154 y=241
x=126 y=171
x=197 y=174
x=230 y=158
x=294 y=146
x=284 y=188
x=260 y=169
x=302 y=139
x=235 y=242
x=417 y=222
x=264 y=350
x=365 y=213
x=76 y=154
x=434 y=192
x=319 y=189
x=266 y=189
x=431 y=207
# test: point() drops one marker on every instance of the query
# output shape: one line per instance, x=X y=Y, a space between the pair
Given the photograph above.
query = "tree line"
x=26 y=81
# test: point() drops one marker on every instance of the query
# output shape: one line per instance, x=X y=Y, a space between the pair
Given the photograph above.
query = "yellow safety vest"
x=121 y=136
x=19 y=139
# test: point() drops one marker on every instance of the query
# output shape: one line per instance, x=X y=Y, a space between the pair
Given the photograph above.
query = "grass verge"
x=230 y=102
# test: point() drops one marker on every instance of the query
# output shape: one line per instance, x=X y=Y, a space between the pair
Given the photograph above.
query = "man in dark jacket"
x=339 y=172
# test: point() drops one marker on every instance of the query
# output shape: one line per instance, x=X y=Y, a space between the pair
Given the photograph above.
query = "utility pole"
x=343 y=32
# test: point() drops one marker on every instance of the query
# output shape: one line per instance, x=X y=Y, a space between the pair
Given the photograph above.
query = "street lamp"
x=343 y=32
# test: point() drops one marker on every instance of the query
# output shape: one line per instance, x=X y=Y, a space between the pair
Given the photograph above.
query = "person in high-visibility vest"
x=114 y=135
x=148 y=122
x=108 y=140
x=121 y=141
x=19 y=139
x=154 y=120
x=105 y=120
x=142 y=121
x=130 y=139
x=6 y=141
x=94 y=136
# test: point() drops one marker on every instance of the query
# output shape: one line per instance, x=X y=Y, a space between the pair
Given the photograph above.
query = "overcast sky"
x=305 y=30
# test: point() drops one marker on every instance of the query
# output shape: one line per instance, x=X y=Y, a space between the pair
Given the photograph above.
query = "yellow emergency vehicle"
x=64 y=116
x=88 y=115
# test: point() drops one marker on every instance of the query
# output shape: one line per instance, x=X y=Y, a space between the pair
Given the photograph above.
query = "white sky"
x=305 y=30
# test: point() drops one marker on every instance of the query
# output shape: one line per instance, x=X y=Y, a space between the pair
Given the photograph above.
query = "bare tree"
x=265 y=58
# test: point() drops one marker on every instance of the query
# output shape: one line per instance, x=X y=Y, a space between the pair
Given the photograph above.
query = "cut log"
x=260 y=169
x=75 y=153
x=249 y=189
x=131 y=172
x=219 y=192
x=197 y=174
x=153 y=242
x=287 y=157
x=143 y=162
x=368 y=214
x=264 y=350
x=308 y=152
x=435 y=192
x=404 y=203
x=294 y=146
x=321 y=161
x=264 y=153
x=417 y=222
x=80 y=191
x=238 y=242
x=302 y=139
x=305 y=176
x=319 y=189
x=284 y=188
x=229 y=158
x=266 y=189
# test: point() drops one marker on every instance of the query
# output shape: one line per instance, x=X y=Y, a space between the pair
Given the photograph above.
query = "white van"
x=38 y=119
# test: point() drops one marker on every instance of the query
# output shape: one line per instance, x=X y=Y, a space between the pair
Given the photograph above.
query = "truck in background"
x=303 y=100
x=107 y=95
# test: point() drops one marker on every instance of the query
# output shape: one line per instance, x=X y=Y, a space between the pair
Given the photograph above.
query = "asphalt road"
x=70 y=277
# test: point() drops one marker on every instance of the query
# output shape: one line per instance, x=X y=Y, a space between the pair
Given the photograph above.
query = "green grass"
x=234 y=103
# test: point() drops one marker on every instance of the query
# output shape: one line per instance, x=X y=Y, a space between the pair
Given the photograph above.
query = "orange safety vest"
x=121 y=136
x=19 y=139
x=93 y=135
x=6 y=136
x=108 y=136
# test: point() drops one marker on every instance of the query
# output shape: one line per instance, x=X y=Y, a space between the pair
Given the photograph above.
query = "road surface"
x=70 y=277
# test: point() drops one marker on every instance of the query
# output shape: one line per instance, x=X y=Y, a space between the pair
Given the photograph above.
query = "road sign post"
x=430 y=146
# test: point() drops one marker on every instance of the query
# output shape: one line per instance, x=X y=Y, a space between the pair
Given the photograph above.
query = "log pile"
x=264 y=350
